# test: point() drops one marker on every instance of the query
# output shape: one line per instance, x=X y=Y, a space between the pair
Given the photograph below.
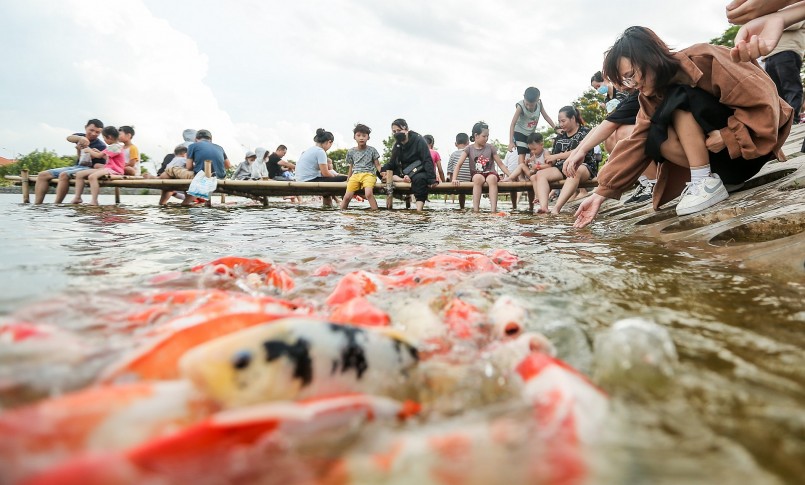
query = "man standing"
x=200 y=151
x=783 y=65
x=88 y=139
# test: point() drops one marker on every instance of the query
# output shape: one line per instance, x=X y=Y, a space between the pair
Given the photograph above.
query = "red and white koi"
x=246 y=445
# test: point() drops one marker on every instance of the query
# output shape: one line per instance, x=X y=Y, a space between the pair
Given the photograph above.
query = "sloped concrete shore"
x=761 y=226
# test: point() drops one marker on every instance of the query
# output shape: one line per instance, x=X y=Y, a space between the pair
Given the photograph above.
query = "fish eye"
x=242 y=359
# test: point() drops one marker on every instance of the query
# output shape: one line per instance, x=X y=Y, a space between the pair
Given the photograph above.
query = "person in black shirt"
x=277 y=166
x=411 y=162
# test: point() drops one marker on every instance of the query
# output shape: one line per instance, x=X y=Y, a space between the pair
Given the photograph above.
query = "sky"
x=268 y=72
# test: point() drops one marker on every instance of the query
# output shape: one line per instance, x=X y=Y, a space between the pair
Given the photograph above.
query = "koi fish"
x=298 y=359
x=359 y=311
x=12 y=332
x=539 y=441
x=159 y=358
x=97 y=419
x=246 y=445
x=353 y=285
x=462 y=318
x=233 y=267
x=508 y=317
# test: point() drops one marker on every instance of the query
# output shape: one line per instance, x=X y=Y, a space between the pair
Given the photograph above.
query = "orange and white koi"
x=298 y=359
x=540 y=441
x=97 y=419
x=264 y=272
x=246 y=445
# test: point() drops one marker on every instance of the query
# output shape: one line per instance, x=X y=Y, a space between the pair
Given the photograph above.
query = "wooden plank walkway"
x=273 y=188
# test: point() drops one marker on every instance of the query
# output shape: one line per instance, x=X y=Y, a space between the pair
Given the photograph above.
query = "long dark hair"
x=646 y=52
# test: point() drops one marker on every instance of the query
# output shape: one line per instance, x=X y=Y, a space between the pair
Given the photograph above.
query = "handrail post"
x=26 y=197
x=389 y=189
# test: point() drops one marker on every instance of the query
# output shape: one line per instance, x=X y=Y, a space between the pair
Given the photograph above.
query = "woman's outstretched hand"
x=588 y=210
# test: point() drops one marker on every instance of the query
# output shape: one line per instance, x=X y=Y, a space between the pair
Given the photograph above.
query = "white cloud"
x=271 y=72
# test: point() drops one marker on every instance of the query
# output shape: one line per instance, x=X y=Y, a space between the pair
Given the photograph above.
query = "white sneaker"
x=700 y=195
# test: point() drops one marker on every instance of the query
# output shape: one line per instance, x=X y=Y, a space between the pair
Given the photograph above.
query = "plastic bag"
x=202 y=186
x=85 y=159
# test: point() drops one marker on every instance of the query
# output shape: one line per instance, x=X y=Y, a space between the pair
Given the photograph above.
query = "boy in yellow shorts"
x=364 y=163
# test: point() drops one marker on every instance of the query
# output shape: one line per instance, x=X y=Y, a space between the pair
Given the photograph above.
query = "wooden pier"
x=262 y=189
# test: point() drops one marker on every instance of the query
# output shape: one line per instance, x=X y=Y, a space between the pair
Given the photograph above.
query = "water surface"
x=733 y=414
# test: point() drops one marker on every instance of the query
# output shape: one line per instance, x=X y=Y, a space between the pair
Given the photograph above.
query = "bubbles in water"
x=571 y=343
x=636 y=355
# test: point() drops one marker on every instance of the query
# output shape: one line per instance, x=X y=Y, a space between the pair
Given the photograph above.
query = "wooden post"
x=25 y=189
x=264 y=200
x=389 y=189
x=117 y=195
x=208 y=173
x=223 y=198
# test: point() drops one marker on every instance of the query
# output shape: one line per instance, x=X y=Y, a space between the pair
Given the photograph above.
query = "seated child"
x=482 y=159
x=364 y=163
x=244 y=170
x=535 y=160
x=115 y=164
x=464 y=175
x=130 y=151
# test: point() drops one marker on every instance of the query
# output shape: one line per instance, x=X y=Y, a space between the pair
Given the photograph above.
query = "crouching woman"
x=709 y=122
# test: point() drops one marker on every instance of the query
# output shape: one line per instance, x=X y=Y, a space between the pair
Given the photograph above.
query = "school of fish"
x=239 y=377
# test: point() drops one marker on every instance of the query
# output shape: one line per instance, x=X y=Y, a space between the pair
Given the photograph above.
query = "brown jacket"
x=759 y=126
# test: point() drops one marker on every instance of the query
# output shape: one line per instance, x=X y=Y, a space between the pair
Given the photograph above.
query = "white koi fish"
x=297 y=358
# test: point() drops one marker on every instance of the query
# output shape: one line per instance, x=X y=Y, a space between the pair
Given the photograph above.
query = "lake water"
x=734 y=412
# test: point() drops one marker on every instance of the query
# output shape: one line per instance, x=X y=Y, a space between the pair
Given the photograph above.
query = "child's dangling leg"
x=80 y=177
x=477 y=190
x=492 y=181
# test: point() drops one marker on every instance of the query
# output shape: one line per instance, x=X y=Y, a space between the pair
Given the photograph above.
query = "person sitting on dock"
x=410 y=162
x=88 y=139
x=189 y=136
x=244 y=170
x=312 y=164
x=279 y=169
x=200 y=151
x=464 y=175
x=364 y=163
x=115 y=165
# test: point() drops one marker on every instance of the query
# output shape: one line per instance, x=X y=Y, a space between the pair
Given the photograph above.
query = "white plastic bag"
x=202 y=186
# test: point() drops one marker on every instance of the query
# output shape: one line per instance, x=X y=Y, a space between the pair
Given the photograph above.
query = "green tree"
x=547 y=136
x=388 y=144
x=727 y=38
x=503 y=148
x=144 y=158
x=589 y=105
x=35 y=162
x=339 y=158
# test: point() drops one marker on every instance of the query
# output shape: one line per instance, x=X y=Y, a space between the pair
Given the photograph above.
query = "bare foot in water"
x=93 y=202
x=76 y=200
x=540 y=210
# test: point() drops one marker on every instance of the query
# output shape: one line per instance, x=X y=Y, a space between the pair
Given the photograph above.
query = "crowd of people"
x=695 y=123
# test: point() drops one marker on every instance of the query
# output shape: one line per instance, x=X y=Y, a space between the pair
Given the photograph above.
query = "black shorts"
x=711 y=115
x=520 y=143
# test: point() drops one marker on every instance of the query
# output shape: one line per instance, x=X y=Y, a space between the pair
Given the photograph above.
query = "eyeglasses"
x=628 y=80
